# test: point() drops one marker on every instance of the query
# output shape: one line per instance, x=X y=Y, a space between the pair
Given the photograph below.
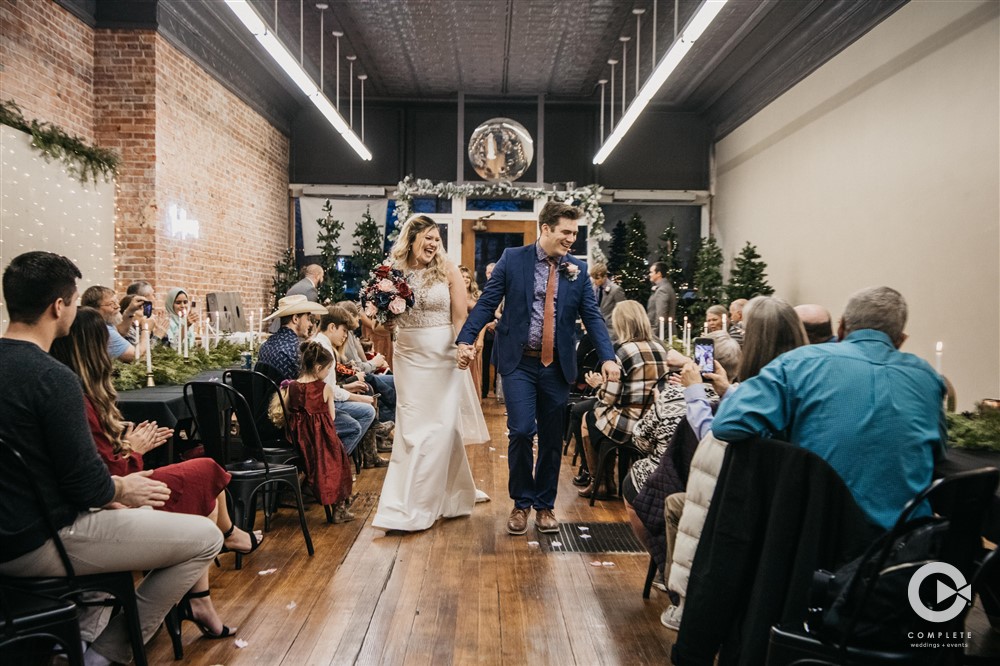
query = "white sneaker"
x=481 y=496
x=671 y=618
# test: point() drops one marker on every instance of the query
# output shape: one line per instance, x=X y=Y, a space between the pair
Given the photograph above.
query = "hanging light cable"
x=302 y=30
x=284 y=59
x=338 y=34
x=362 y=78
x=611 y=123
x=653 y=52
x=322 y=7
x=602 y=83
x=350 y=90
x=703 y=17
x=624 y=41
x=638 y=15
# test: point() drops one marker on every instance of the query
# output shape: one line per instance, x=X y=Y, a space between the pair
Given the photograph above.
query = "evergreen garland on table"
x=331 y=289
x=368 y=243
x=708 y=281
x=668 y=254
x=748 y=277
x=616 y=253
x=634 y=272
x=170 y=369
x=83 y=162
x=975 y=430
x=286 y=274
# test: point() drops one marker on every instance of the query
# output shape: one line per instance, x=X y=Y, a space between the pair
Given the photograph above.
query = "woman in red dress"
x=309 y=401
x=197 y=486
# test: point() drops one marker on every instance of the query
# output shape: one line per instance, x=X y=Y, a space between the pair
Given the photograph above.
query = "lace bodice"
x=433 y=301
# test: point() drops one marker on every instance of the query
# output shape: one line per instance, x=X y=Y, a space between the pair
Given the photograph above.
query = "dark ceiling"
x=427 y=50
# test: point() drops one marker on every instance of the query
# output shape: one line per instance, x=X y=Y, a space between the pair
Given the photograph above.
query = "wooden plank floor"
x=462 y=592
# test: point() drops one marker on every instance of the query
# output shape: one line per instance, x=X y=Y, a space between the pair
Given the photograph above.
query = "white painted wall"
x=44 y=208
x=883 y=167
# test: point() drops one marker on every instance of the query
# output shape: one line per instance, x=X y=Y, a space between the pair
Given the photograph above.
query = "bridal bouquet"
x=387 y=295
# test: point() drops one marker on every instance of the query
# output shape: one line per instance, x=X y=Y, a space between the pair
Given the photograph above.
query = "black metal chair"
x=258 y=389
x=213 y=406
x=963 y=499
x=117 y=584
x=28 y=616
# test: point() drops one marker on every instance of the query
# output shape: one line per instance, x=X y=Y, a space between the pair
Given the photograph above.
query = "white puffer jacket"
x=702 y=479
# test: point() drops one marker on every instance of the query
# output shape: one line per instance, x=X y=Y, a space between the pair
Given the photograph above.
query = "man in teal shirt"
x=872 y=412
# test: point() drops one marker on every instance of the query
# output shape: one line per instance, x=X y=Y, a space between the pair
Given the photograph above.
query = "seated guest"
x=197 y=486
x=280 y=352
x=736 y=319
x=871 y=411
x=620 y=403
x=653 y=435
x=772 y=328
x=351 y=353
x=355 y=412
x=142 y=293
x=180 y=313
x=713 y=318
x=45 y=419
x=308 y=286
x=103 y=300
x=816 y=320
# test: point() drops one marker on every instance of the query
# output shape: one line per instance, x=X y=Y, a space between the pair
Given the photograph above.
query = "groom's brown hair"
x=553 y=211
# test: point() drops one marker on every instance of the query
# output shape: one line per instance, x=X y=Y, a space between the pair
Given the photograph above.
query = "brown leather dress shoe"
x=517 y=524
x=545 y=521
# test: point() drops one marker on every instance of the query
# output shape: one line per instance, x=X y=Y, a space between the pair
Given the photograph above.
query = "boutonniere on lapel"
x=569 y=270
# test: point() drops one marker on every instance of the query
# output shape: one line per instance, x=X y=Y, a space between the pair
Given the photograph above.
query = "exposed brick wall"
x=184 y=139
x=228 y=168
x=47 y=62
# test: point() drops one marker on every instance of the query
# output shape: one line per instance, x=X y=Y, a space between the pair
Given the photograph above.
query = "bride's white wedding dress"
x=437 y=413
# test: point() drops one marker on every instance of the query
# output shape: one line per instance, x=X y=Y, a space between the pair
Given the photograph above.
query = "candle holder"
x=149 y=379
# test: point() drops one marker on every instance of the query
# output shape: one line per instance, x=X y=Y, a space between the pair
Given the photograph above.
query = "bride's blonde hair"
x=403 y=247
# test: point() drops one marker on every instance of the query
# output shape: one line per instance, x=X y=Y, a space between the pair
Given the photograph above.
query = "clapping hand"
x=146 y=436
x=594 y=379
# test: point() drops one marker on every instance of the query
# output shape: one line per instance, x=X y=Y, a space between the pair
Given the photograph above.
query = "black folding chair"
x=118 y=584
x=213 y=406
x=258 y=389
x=964 y=500
x=30 y=623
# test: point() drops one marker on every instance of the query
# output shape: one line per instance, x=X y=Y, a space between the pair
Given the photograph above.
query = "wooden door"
x=480 y=248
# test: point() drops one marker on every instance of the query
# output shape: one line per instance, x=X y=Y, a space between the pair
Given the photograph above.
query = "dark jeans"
x=385 y=385
x=536 y=402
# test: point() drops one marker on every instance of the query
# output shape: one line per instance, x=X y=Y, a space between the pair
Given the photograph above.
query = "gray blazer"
x=662 y=303
x=613 y=295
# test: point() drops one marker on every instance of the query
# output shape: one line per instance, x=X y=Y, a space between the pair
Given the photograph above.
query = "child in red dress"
x=309 y=401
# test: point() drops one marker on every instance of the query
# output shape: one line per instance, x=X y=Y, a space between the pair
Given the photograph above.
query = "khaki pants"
x=673 y=506
x=174 y=548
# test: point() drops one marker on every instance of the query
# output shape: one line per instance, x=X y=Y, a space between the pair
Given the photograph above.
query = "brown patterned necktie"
x=549 y=316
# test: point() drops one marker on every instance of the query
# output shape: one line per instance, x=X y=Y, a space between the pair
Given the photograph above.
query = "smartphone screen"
x=704 y=354
x=147 y=309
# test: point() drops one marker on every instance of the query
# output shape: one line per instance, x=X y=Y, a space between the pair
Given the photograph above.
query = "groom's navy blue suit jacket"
x=513 y=281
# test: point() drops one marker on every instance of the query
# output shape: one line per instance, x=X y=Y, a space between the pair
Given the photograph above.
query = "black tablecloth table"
x=963 y=460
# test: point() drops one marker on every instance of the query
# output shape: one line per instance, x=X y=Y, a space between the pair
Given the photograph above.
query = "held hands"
x=719 y=379
x=136 y=490
x=465 y=355
x=356 y=387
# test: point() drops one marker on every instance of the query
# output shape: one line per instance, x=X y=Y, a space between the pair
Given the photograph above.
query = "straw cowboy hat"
x=296 y=304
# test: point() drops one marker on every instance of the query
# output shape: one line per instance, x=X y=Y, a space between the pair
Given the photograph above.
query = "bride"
x=437 y=407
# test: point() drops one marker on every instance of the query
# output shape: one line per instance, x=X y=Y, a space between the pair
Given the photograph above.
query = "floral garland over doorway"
x=587 y=198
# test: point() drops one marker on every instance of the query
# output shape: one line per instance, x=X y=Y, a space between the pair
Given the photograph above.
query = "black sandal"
x=187 y=613
x=254 y=543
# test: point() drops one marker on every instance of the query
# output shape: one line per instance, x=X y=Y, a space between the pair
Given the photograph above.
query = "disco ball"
x=501 y=150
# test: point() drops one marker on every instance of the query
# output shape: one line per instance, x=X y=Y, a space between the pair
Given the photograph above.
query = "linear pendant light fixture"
x=704 y=16
x=249 y=17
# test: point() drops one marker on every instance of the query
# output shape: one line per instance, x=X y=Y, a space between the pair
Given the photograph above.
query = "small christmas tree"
x=286 y=273
x=708 y=281
x=368 y=241
x=668 y=255
x=331 y=289
x=634 y=271
x=748 y=277
x=616 y=253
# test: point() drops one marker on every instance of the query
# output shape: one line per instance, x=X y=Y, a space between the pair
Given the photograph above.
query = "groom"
x=544 y=292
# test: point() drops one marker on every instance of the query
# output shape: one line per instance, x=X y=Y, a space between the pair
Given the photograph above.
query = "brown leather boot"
x=517 y=524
